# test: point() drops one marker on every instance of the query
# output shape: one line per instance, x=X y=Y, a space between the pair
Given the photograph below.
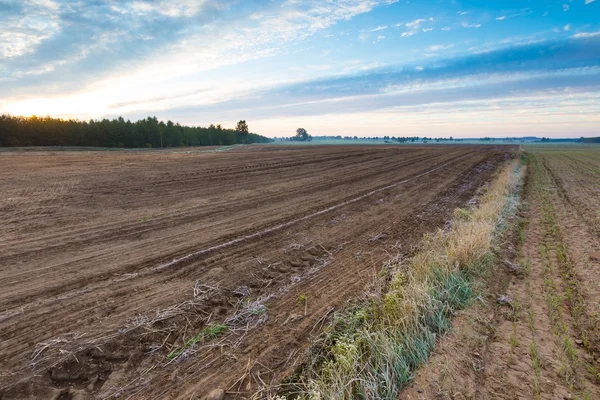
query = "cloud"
x=177 y=8
x=64 y=44
x=24 y=27
x=585 y=35
x=440 y=47
x=123 y=45
x=473 y=89
x=414 y=26
x=516 y=13
x=566 y=7
x=567 y=27
x=466 y=25
x=589 y=1
x=570 y=66
x=379 y=28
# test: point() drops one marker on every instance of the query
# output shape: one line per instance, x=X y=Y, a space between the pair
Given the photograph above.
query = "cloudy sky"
x=348 y=67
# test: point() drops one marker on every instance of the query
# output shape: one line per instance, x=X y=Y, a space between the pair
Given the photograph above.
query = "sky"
x=438 y=68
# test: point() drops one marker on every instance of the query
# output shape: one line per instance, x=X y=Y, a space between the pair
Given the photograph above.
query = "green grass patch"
x=209 y=332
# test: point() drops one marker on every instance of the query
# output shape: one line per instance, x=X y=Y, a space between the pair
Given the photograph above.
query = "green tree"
x=211 y=132
x=118 y=132
x=302 y=135
x=242 y=129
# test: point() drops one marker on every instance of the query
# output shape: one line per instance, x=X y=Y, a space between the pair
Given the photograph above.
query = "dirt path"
x=90 y=310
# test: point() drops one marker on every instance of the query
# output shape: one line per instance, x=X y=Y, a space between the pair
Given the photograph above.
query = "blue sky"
x=335 y=67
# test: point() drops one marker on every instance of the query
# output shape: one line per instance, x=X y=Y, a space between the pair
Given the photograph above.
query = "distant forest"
x=150 y=133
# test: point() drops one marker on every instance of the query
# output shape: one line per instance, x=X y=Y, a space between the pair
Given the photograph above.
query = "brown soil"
x=553 y=307
x=111 y=261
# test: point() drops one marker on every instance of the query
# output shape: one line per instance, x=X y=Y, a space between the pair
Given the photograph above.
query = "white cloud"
x=379 y=28
x=20 y=35
x=566 y=7
x=171 y=8
x=503 y=17
x=209 y=47
x=414 y=26
x=589 y=1
x=462 y=12
x=440 y=47
x=50 y=4
x=465 y=25
x=567 y=27
x=585 y=35
x=446 y=28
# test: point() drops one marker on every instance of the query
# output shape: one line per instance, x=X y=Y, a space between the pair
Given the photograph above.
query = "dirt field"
x=542 y=341
x=170 y=274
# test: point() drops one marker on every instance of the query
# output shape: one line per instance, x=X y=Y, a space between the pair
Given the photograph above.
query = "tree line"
x=303 y=136
x=118 y=132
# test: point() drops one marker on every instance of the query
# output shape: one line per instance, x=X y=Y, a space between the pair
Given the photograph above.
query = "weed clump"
x=209 y=332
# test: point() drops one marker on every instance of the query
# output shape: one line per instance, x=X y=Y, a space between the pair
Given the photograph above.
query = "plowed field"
x=170 y=274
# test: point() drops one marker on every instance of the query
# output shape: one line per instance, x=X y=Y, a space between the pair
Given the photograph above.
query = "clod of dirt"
x=513 y=267
x=216 y=394
x=242 y=291
x=306 y=257
x=220 y=310
x=504 y=299
x=313 y=251
x=79 y=395
x=283 y=268
x=293 y=318
x=61 y=375
x=92 y=384
x=579 y=342
x=213 y=272
x=58 y=394
x=380 y=236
